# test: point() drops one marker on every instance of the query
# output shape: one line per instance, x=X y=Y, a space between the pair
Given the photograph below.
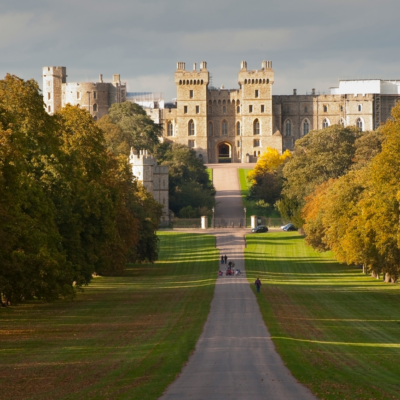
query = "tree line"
x=69 y=207
x=340 y=186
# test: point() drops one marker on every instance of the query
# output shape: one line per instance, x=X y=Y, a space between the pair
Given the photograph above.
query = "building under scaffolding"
x=147 y=99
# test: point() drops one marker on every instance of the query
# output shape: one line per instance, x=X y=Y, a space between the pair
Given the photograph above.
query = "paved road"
x=235 y=357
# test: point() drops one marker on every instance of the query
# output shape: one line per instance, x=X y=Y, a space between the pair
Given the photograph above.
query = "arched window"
x=224 y=128
x=209 y=109
x=238 y=129
x=191 y=128
x=325 y=108
x=256 y=127
x=210 y=129
x=288 y=128
x=224 y=109
x=306 y=127
x=359 y=107
x=224 y=102
x=219 y=101
x=94 y=107
x=170 y=130
x=360 y=124
x=325 y=123
x=305 y=109
x=238 y=102
x=238 y=109
x=210 y=102
x=49 y=108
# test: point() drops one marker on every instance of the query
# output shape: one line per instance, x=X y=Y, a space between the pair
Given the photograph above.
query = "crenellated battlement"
x=194 y=77
x=141 y=157
x=262 y=76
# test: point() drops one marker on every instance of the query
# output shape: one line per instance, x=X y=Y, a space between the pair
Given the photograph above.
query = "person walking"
x=222 y=259
x=225 y=258
x=258 y=284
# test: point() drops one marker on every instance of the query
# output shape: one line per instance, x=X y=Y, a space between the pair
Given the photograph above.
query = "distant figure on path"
x=258 y=284
x=225 y=258
x=222 y=259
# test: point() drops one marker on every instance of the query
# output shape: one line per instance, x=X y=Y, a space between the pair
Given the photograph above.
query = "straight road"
x=235 y=357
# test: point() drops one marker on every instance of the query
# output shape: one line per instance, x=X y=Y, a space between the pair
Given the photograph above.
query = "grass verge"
x=210 y=174
x=336 y=329
x=123 y=338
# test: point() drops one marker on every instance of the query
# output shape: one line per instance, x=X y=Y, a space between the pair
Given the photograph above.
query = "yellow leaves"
x=269 y=161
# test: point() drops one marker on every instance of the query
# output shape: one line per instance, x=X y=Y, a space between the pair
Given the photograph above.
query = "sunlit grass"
x=210 y=174
x=125 y=337
x=336 y=329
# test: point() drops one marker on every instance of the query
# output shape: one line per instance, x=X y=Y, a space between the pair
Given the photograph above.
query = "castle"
x=153 y=177
x=95 y=97
x=236 y=125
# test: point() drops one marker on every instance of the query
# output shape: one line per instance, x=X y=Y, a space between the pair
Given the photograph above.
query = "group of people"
x=231 y=271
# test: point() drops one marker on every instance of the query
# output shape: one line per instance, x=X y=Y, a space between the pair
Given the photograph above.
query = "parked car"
x=259 y=229
x=288 y=227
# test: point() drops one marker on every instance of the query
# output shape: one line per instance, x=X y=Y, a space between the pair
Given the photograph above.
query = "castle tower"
x=192 y=107
x=256 y=110
x=53 y=78
x=153 y=177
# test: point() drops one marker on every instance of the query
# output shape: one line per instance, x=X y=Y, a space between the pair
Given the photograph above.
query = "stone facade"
x=153 y=177
x=236 y=125
x=96 y=97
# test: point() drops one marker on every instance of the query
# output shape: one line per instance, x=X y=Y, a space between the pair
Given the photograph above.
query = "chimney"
x=313 y=92
x=263 y=65
x=180 y=65
x=294 y=92
x=194 y=67
x=101 y=78
x=243 y=65
x=116 y=78
x=203 y=65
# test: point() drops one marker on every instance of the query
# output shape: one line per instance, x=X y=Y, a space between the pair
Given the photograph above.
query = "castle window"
x=238 y=109
x=94 y=107
x=238 y=143
x=325 y=123
x=245 y=81
x=255 y=153
x=49 y=108
x=267 y=80
x=359 y=107
x=48 y=96
x=170 y=129
x=237 y=101
x=256 y=143
x=305 y=109
x=360 y=124
x=215 y=102
x=252 y=81
x=185 y=109
x=224 y=128
x=288 y=128
x=191 y=128
x=238 y=129
x=325 y=108
x=262 y=108
x=209 y=102
x=219 y=101
x=191 y=82
x=341 y=108
x=210 y=129
x=95 y=95
x=201 y=81
x=287 y=109
x=78 y=95
x=306 y=127
x=256 y=94
x=197 y=109
x=180 y=82
x=224 y=102
x=191 y=94
x=256 y=127
x=191 y=144
x=263 y=81
x=224 y=110
x=250 y=109
x=210 y=110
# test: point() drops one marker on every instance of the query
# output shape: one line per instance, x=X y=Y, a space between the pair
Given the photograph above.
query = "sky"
x=311 y=43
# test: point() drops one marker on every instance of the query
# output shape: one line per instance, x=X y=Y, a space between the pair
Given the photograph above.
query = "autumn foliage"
x=68 y=207
x=357 y=215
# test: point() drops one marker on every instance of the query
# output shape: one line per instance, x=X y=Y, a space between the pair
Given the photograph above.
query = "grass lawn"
x=123 y=338
x=250 y=205
x=210 y=174
x=337 y=330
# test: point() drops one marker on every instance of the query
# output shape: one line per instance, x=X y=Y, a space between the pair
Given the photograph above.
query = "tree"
x=319 y=156
x=136 y=128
